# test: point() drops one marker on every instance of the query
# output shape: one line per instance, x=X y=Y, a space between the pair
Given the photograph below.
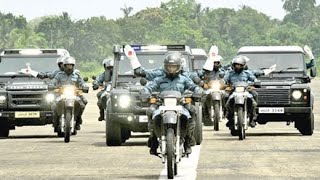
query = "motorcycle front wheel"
x=216 y=108
x=67 y=125
x=240 y=125
x=171 y=160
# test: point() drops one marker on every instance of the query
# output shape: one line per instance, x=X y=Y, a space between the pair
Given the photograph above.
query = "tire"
x=241 y=130
x=306 y=127
x=4 y=128
x=171 y=159
x=216 y=109
x=198 y=128
x=113 y=133
x=125 y=134
x=67 y=126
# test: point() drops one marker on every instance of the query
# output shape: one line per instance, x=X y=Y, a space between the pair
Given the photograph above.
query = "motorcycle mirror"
x=85 y=79
x=143 y=81
x=85 y=89
x=221 y=75
x=94 y=77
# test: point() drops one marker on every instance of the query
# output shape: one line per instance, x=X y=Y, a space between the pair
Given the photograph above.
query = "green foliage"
x=174 y=22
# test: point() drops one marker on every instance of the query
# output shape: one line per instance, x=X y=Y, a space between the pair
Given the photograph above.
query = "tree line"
x=175 y=22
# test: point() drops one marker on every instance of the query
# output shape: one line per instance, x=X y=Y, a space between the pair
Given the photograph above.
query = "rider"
x=211 y=71
x=172 y=80
x=104 y=77
x=238 y=74
x=69 y=77
x=153 y=73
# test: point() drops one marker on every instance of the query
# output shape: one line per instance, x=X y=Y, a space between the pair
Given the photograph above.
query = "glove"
x=95 y=87
x=131 y=55
x=205 y=86
x=308 y=51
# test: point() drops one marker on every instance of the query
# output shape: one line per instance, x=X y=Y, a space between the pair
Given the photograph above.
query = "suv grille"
x=34 y=99
x=269 y=97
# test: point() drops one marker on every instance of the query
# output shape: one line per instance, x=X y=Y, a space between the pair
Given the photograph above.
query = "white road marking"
x=187 y=168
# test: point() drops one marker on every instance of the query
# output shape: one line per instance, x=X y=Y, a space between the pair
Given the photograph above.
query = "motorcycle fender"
x=216 y=96
x=239 y=100
x=69 y=103
x=170 y=117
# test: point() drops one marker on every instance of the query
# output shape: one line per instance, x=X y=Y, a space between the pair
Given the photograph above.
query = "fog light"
x=130 y=118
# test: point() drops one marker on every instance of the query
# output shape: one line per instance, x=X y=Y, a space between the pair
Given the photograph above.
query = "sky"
x=83 y=9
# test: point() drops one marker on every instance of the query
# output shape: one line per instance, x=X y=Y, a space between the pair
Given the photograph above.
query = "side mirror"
x=85 y=89
x=85 y=79
x=94 y=77
x=116 y=49
x=143 y=81
x=313 y=71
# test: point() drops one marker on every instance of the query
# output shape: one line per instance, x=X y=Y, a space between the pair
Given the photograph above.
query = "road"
x=271 y=151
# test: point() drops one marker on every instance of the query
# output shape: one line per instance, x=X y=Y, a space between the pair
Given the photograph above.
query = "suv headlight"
x=296 y=94
x=124 y=101
x=2 y=99
x=50 y=97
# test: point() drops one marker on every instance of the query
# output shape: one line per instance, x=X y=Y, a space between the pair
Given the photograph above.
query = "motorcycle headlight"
x=124 y=101
x=68 y=91
x=2 y=99
x=215 y=86
x=239 y=89
x=296 y=94
x=49 y=97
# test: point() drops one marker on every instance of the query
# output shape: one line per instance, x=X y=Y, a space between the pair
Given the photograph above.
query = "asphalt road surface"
x=271 y=151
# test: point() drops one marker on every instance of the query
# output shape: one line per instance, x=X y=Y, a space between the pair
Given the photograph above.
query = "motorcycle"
x=239 y=104
x=215 y=95
x=67 y=103
x=170 y=128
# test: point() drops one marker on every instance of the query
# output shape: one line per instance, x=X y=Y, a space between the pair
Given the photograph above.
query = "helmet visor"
x=171 y=68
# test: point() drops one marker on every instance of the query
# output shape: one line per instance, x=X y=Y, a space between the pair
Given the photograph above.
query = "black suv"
x=285 y=93
x=125 y=111
x=24 y=99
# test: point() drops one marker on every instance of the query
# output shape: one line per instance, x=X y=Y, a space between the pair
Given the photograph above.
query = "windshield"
x=282 y=61
x=148 y=61
x=12 y=65
x=199 y=61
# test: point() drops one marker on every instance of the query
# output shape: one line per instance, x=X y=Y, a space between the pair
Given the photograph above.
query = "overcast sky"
x=82 y=9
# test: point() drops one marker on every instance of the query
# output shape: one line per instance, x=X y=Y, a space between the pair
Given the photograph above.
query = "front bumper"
x=288 y=114
x=45 y=117
x=136 y=123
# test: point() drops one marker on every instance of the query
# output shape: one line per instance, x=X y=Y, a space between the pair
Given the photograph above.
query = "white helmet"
x=107 y=63
x=60 y=59
x=69 y=60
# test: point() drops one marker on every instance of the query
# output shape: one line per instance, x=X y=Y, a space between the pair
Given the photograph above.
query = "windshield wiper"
x=288 y=68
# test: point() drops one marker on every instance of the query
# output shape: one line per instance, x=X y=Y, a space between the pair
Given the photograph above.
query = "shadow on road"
x=274 y=134
x=142 y=177
x=31 y=137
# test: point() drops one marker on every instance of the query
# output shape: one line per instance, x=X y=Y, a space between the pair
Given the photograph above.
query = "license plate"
x=29 y=114
x=271 y=110
x=143 y=119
